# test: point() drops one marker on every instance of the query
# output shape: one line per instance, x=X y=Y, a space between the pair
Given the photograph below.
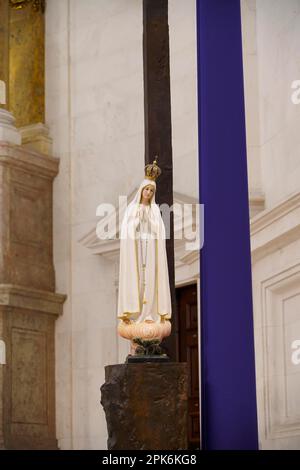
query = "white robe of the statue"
x=132 y=240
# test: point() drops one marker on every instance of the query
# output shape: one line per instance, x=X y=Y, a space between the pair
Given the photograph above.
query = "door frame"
x=196 y=280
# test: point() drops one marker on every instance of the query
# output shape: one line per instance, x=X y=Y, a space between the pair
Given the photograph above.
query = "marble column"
x=28 y=302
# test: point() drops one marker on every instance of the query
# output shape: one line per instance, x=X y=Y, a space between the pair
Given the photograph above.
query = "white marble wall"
x=250 y=65
x=183 y=71
x=94 y=107
x=59 y=119
x=271 y=37
x=278 y=38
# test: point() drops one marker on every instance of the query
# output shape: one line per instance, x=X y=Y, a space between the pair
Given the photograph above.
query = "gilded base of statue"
x=141 y=333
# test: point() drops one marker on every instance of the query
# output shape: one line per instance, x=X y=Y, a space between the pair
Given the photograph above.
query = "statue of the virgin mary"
x=144 y=301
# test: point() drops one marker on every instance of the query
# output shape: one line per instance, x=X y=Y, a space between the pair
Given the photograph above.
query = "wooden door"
x=187 y=321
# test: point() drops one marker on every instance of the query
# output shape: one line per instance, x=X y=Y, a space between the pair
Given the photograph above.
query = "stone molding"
x=275 y=238
x=31 y=299
x=274 y=228
x=37 y=137
x=8 y=131
x=28 y=160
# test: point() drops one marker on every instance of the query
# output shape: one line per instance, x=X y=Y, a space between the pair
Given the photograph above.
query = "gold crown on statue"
x=152 y=170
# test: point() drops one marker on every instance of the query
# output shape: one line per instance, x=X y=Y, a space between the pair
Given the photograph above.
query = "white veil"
x=128 y=296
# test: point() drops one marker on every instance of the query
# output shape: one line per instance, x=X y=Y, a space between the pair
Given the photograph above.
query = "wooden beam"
x=158 y=132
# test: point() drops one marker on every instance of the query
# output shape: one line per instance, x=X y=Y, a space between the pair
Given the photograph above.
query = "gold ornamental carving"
x=22 y=58
x=37 y=5
x=26 y=62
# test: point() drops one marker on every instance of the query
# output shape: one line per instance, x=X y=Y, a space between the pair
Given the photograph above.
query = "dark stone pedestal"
x=143 y=358
x=146 y=406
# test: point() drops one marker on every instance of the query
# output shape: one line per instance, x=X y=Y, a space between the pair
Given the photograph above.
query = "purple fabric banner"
x=229 y=416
